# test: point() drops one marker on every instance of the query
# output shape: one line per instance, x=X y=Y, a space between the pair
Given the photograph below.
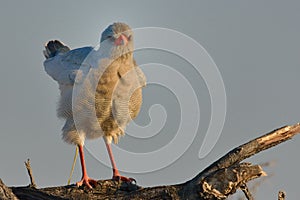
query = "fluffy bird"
x=101 y=90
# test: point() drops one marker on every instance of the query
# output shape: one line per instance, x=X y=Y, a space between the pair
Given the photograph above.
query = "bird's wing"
x=132 y=79
x=141 y=76
x=68 y=67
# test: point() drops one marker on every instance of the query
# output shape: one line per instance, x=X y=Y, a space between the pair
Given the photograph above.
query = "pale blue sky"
x=255 y=45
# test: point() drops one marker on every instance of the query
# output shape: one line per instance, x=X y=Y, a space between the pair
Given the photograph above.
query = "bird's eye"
x=108 y=37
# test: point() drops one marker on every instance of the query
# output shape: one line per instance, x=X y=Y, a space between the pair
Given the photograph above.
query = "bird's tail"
x=53 y=47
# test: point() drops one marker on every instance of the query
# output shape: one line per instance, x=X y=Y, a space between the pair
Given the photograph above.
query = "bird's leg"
x=116 y=174
x=86 y=180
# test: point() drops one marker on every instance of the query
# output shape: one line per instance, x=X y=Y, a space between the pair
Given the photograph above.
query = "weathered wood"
x=30 y=174
x=5 y=192
x=217 y=181
x=251 y=148
x=281 y=195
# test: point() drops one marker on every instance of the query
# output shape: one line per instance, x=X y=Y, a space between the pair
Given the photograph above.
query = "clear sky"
x=254 y=44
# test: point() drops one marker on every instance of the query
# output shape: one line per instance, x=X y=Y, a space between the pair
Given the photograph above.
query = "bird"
x=106 y=81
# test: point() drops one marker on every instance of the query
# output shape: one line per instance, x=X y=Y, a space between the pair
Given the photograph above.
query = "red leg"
x=116 y=174
x=86 y=180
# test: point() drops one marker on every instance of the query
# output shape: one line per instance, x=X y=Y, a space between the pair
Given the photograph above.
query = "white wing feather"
x=66 y=68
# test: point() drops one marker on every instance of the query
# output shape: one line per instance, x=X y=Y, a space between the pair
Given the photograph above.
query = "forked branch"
x=218 y=181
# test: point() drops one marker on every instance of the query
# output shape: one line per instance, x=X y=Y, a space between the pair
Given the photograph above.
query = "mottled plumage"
x=111 y=110
x=101 y=90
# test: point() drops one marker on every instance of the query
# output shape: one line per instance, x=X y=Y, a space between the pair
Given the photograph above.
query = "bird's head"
x=117 y=40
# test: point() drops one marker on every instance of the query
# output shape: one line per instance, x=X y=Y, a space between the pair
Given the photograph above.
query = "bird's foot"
x=87 y=181
x=124 y=179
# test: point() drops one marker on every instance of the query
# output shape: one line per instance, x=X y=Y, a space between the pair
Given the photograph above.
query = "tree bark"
x=221 y=179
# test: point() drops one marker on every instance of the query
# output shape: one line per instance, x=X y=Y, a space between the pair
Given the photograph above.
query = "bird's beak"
x=121 y=40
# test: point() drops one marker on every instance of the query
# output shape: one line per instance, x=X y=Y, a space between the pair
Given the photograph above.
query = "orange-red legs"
x=86 y=180
x=116 y=174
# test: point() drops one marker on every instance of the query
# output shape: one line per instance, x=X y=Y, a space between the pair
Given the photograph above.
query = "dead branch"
x=5 y=192
x=29 y=170
x=218 y=181
x=246 y=191
x=281 y=195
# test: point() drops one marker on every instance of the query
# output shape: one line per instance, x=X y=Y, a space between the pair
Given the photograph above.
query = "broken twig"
x=29 y=170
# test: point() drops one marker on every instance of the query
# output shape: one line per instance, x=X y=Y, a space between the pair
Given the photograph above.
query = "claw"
x=87 y=181
x=124 y=179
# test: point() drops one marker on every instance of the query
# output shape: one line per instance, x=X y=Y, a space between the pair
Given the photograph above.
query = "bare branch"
x=242 y=152
x=246 y=191
x=218 y=181
x=281 y=195
x=5 y=192
x=251 y=148
x=29 y=170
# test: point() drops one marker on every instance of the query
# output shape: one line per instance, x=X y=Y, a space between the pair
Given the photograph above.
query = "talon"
x=125 y=179
x=87 y=181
